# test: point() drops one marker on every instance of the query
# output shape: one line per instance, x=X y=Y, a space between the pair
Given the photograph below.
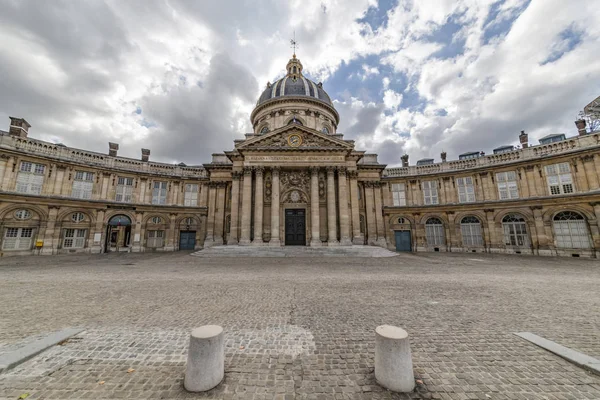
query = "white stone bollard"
x=393 y=361
x=205 y=367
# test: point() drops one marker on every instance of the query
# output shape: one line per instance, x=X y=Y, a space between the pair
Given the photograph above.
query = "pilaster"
x=381 y=241
x=235 y=206
x=357 y=237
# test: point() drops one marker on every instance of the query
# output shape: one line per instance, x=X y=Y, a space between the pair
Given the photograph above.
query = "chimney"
x=580 y=124
x=145 y=155
x=443 y=155
x=404 y=159
x=18 y=127
x=524 y=139
x=112 y=149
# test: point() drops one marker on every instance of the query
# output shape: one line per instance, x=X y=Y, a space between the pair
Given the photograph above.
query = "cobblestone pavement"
x=301 y=328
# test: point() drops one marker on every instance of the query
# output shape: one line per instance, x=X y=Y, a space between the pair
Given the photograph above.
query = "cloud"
x=182 y=77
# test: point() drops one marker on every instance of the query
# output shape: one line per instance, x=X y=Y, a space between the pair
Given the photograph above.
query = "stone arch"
x=288 y=197
x=65 y=216
x=114 y=213
x=439 y=216
x=41 y=214
x=394 y=219
x=476 y=213
x=524 y=212
x=182 y=220
x=549 y=214
x=147 y=220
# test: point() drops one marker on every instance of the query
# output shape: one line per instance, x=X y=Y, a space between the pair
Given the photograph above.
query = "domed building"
x=295 y=181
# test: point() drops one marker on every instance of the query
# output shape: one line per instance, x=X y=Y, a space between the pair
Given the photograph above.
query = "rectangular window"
x=466 y=190
x=83 y=185
x=155 y=239
x=430 y=192
x=74 y=239
x=159 y=193
x=124 y=190
x=17 y=239
x=398 y=194
x=30 y=178
x=191 y=195
x=507 y=185
x=435 y=235
x=559 y=178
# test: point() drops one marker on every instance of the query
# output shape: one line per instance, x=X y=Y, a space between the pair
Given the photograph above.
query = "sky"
x=181 y=77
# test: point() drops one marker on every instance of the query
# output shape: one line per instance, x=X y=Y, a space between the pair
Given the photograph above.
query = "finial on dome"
x=294 y=44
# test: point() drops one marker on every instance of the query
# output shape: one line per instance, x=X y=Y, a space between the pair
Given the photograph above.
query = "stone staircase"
x=294 y=251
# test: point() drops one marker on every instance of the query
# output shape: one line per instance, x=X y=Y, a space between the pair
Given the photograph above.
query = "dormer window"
x=264 y=130
x=325 y=130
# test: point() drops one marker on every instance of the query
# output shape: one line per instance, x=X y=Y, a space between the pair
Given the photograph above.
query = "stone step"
x=294 y=251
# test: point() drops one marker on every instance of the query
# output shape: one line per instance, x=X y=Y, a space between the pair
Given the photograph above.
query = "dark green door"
x=295 y=228
x=187 y=240
x=403 y=241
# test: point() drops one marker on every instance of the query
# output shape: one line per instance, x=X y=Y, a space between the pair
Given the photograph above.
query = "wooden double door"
x=295 y=227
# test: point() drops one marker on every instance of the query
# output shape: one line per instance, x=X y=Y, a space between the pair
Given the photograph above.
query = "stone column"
x=493 y=243
x=381 y=241
x=315 y=227
x=136 y=245
x=357 y=237
x=51 y=235
x=219 y=213
x=210 y=221
x=370 y=214
x=246 y=207
x=235 y=205
x=275 y=208
x=258 y=208
x=542 y=239
x=170 y=246
x=331 y=209
x=343 y=201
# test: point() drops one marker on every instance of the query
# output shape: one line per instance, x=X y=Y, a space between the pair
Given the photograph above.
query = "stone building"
x=295 y=181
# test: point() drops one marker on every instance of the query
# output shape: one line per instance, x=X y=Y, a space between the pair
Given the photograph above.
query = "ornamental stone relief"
x=295 y=179
x=294 y=196
x=282 y=141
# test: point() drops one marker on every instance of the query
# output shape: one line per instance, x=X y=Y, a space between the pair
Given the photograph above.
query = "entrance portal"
x=403 y=241
x=295 y=227
x=118 y=233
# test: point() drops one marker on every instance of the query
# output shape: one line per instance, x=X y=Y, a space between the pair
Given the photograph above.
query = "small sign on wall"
x=97 y=237
x=39 y=243
x=136 y=237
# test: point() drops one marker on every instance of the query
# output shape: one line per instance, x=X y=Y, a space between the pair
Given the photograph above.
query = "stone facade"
x=295 y=180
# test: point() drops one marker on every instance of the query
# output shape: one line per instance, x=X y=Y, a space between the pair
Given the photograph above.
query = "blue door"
x=187 y=240
x=403 y=241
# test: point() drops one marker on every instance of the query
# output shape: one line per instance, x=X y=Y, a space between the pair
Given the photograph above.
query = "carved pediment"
x=294 y=138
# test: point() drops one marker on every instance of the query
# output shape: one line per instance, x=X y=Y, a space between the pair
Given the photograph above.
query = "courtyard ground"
x=300 y=327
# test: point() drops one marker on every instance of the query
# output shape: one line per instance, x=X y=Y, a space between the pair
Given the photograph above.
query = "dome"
x=294 y=84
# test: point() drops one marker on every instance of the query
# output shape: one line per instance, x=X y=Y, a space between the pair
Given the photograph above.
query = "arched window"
x=325 y=130
x=434 y=232
x=571 y=231
x=77 y=217
x=265 y=129
x=22 y=214
x=515 y=230
x=470 y=229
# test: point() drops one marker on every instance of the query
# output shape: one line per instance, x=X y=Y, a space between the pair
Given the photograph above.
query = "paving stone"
x=300 y=327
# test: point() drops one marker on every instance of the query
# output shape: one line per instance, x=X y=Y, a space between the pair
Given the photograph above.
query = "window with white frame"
x=515 y=231
x=470 y=229
x=83 y=183
x=466 y=190
x=507 y=185
x=77 y=217
x=559 y=178
x=74 y=239
x=571 y=231
x=430 y=192
x=17 y=239
x=434 y=232
x=30 y=178
x=190 y=197
x=159 y=193
x=155 y=239
x=124 y=190
x=22 y=214
x=399 y=194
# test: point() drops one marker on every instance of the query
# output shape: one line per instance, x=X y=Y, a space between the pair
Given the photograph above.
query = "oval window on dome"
x=265 y=129
x=325 y=130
